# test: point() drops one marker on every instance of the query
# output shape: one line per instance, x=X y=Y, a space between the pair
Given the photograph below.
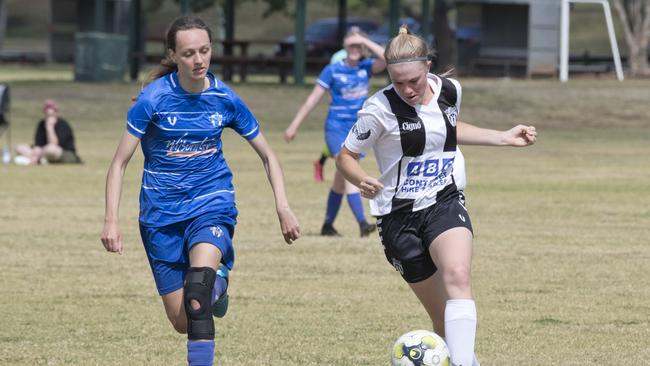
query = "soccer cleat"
x=366 y=229
x=318 y=171
x=329 y=230
x=220 y=307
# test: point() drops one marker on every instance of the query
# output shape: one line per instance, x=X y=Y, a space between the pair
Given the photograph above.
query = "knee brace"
x=198 y=286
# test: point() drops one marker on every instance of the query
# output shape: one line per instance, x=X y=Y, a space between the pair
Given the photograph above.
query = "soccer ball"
x=420 y=348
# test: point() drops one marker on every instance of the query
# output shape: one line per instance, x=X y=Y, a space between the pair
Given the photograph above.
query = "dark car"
x=467 y=34
x=321 y=37
x=382 y=36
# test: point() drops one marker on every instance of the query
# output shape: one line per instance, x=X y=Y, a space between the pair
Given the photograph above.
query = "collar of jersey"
x=179 y=89
x=436 y=90
x=343 y=63
x=437 y=85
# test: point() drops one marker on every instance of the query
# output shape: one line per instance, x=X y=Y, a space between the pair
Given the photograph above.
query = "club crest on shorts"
x=452 y=114
x=360 y=135
x=398 y=266
x=216 y=231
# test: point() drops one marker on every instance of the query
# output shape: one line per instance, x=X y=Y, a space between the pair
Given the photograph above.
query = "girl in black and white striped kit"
x=413 y=127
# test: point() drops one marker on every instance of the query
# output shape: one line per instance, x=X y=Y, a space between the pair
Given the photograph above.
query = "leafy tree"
x=198 y=5
x=151 y=6
x=635 y=18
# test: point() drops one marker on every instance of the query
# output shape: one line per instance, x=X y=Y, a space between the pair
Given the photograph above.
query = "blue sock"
x=219 y=288
x=333 y=204
x=200 y=353
x=354 y=200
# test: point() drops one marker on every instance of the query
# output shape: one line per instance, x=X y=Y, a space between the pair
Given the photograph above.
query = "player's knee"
x=458 y=277
x=197 y=297
x=52 y=151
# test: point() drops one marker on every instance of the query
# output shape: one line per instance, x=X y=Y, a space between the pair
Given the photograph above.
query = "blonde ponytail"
x=406 y=47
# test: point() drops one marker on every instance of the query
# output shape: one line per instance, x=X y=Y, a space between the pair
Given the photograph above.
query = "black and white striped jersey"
x=415 y=147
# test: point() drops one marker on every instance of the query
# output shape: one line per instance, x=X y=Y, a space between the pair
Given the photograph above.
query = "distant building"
x=517 y=37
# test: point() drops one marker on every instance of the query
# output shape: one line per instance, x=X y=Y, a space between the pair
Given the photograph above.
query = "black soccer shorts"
x=407 y=236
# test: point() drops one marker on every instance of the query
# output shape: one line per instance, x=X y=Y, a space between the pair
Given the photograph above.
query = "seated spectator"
x=53 y=142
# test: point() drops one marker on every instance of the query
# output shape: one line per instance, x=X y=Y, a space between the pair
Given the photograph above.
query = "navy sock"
x=200 y=353
x=354 y=200
x=333 y=204
x=220 y=285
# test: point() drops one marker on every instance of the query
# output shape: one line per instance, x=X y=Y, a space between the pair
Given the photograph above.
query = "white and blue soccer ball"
x=420 y=348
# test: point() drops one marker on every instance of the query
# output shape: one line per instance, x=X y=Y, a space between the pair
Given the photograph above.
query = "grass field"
x=560 y=269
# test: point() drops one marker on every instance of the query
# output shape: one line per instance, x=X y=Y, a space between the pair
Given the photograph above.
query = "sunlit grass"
x=560 y=268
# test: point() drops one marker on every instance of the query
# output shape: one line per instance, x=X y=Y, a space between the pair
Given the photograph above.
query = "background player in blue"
x=347 y=84
x=187 y=201
x=413 y=127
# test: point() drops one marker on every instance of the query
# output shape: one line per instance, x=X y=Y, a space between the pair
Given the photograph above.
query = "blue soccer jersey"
x=185 y=173
x=348 y=87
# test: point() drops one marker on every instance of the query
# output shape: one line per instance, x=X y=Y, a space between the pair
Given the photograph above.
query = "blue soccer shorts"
x=168 y=247
x=335 y=134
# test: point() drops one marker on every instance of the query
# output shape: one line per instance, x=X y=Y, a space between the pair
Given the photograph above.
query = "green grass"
x=560 y=268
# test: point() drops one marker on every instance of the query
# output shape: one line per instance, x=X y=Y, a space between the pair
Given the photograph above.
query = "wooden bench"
x=282 y=65
x=589 y=68
x=26 y=57
x=505 y=59
x=236 y=58
x=505 y=64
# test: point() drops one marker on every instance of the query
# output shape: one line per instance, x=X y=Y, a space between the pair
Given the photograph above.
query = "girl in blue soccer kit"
x=347 y=83
x=187 y=200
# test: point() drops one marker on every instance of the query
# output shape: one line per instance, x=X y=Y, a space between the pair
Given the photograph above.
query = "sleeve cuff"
x=322 y=83
x=252 y=134
x=133 y=130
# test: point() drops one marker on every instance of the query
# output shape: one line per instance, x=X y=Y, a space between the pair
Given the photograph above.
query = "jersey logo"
x=183 y=148
x=452 y=114
x=172 y=120
x=411 y=126
x=216 y=119
x=360 y=135
x=362 y=73
x=216 y=231
x=342 y=77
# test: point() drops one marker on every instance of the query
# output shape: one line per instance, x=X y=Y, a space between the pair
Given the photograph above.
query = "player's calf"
x=220 y=293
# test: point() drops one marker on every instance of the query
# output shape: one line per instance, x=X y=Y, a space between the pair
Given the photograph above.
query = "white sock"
x=460 y=330
x=474 y=362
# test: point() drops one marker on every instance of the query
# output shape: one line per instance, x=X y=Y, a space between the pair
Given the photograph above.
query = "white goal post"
x=564 y=37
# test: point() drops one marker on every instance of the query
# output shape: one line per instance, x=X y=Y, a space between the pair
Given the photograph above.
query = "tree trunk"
x=3 y=21
x=635 y=19
x=445 y=36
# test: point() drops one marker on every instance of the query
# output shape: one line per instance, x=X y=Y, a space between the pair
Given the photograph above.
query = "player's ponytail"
x=407 y=47
x=167 y=66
